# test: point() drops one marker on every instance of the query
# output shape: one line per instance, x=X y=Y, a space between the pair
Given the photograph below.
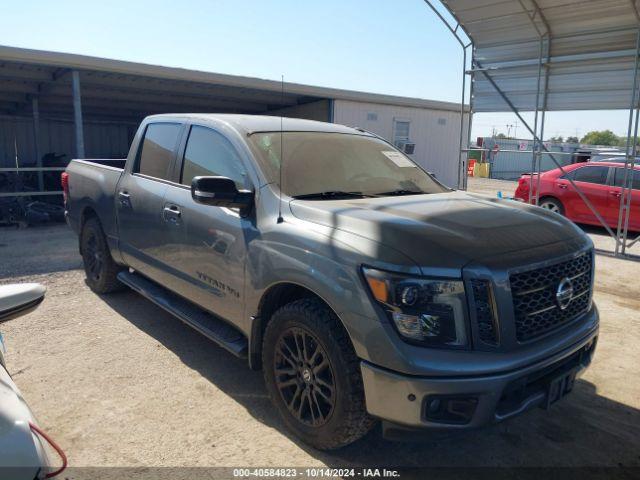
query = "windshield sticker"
x=399 y=159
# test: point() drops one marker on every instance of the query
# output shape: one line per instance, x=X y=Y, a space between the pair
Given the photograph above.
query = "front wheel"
x=101 y=270
x=313 y=375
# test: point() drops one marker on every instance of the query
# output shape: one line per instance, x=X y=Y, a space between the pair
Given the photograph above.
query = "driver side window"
x=208 y=153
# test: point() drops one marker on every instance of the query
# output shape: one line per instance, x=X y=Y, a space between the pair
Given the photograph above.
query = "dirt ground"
x=119 y=382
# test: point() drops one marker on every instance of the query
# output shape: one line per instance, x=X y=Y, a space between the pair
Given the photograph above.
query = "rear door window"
x=597 y=175
x=158 y=149
x=209 y=153
x=619 y=178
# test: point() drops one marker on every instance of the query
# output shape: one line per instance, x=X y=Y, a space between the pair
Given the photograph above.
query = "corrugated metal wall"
x=509 y=165
x=436 y=133
x=102 y=140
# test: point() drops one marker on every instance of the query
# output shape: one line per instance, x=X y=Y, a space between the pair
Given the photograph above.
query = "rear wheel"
x=552 y=204
x=100 y=269
x=313 y=375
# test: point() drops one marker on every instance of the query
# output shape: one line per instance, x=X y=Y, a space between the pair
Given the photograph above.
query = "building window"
x=442 y=121
x=372 y=117
x=401 y=132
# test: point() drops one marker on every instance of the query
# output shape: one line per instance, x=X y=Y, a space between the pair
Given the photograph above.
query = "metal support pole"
x=470 y=114
x=36 y=141
x=620 y=231
x=536 y=199
x=77 y=113
x=535 y=120
x=629 y=185
x=461 y=157
x=545 y=97
x=462 y=170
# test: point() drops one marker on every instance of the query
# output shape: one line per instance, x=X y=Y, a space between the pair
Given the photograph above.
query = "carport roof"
x=120 y=89
x=591 y=57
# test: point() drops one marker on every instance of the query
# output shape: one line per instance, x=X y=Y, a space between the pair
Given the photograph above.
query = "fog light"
x=434 y=405
x=450 y=409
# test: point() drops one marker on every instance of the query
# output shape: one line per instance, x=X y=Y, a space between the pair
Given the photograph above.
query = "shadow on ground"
x=584 y=429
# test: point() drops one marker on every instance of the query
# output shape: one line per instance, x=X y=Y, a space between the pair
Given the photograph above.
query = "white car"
x=23 y=450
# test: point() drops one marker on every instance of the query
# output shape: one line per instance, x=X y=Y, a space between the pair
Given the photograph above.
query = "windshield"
x=336 y=164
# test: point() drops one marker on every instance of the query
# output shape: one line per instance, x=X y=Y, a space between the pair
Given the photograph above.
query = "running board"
x=204 y=322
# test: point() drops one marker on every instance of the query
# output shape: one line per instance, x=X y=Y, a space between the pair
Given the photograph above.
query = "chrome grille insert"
x=534 y=296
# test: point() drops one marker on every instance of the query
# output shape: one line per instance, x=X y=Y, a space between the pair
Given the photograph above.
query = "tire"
x=338 y=416
x=552 y=204
x=100 y=269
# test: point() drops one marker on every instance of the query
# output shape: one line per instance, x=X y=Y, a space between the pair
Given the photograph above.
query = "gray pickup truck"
x=362 y=287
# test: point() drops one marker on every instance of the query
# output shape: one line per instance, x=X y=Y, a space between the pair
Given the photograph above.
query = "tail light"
x=522 y=192
x=64 y=181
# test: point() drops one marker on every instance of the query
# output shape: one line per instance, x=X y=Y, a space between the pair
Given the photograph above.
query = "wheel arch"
x=273 y=298
x=549 y=196
x=87 y=213
x=555 y=199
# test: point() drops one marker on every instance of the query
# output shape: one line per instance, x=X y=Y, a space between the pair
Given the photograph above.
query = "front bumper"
x=405 y=400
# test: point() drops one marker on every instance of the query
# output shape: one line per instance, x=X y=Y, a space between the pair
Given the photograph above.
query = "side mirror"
x=19 y=299
x=220 y=192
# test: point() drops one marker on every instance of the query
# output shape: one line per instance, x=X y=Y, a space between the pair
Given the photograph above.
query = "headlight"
x=426 y=311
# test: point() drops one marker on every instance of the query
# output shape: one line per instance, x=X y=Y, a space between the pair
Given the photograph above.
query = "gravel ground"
x=119 y=382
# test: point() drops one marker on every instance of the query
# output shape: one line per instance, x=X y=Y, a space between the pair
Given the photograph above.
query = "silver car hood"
x=445 y=230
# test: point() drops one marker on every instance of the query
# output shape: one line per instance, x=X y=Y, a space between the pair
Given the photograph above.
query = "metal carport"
x=552 y=55
x=80 y=105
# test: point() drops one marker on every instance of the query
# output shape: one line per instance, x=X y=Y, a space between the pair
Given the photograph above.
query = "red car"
x=600 y=182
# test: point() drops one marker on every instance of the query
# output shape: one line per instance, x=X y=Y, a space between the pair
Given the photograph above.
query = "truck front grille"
x=537 y=309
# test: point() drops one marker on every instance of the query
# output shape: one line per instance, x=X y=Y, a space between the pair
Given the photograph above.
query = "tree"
x=557 y=139
x=623 y=141
x=573 y=140
x=501 y=136
x=604 y=137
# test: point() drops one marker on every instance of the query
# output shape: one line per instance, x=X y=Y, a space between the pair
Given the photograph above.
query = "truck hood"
x=445 y=230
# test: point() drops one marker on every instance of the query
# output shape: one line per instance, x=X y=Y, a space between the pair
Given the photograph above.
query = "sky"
x=395 y=47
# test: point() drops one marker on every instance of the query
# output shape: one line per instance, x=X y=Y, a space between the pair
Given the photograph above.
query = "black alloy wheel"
x=93 y=257
x=304 y=377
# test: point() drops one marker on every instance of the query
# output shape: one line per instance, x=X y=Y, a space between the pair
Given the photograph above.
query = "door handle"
x=562 y=185
x=616 y=194
x=171 y=213
x=125 y=199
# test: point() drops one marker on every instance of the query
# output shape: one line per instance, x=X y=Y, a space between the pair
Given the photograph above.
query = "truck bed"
x=92 y=184
x=118 y=163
